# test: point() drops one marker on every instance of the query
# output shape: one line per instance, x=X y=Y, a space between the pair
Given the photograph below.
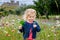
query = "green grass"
x=48 y=33
x=9 y=31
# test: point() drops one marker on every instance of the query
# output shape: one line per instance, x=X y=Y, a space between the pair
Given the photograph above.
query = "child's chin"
x=31 y=21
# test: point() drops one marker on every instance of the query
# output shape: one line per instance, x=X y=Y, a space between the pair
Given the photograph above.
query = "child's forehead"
x=31 y=14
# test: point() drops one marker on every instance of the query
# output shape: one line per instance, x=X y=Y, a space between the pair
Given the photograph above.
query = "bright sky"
x=21 y=1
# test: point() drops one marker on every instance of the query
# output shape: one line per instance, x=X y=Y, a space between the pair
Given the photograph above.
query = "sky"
x=20 y=1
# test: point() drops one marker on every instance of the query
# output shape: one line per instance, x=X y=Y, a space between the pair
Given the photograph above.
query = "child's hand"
x=34 y=26
x=20 y=27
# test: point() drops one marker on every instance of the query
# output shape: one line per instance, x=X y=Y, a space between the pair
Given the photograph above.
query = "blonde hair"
x=32 y=11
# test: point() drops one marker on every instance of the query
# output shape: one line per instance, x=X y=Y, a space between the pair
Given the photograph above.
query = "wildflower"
x=5 y=31
x=13 y=20
x=57 y=17
x=12 y=23
x=7 y=23
x=7 y=34
x=53 y=30
x=18 y=19
x=48 y=35
x=52 y=27
x=18 y=32
x=54 y=34
x=13 y=30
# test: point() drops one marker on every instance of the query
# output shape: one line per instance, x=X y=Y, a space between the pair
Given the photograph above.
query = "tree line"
x=43 y=7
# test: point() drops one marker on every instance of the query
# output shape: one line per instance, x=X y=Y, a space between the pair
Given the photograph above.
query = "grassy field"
x=9 y=30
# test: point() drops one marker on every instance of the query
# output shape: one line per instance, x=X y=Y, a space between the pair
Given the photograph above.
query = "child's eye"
x=32 y=16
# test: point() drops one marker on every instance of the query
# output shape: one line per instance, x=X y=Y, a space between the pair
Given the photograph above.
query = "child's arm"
x=21 y=25
x=21 y=29
x=37 y=27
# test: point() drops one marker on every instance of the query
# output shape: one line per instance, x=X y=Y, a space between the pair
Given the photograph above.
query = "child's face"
x=31 y=17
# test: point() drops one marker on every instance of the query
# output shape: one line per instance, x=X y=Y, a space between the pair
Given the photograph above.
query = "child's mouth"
x=31 y=20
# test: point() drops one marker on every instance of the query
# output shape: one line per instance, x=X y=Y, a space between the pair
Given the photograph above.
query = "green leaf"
x=22 y=22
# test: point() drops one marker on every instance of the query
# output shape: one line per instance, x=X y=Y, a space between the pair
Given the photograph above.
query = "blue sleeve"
x=38 y=27
x=21 y=30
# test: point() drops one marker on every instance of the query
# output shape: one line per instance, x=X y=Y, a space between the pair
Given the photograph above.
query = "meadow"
x=9 y=29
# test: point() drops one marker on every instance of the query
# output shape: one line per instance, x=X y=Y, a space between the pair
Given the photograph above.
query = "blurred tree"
x=5 y=13
x=17 y=12
x=47 y=7
x=1 y=9
x=42 y=7
x=20 y=10
x=54 y=7
x=11 y=12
